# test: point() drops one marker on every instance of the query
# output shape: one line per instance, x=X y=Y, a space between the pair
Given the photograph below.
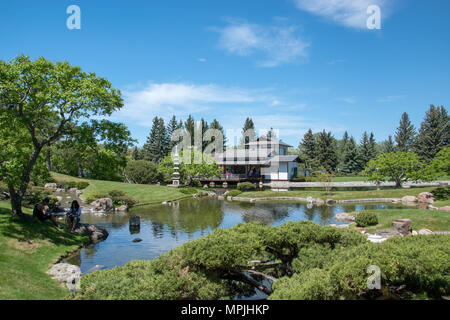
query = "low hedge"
x=233 y=193
x=365 y=219
x=246 y=186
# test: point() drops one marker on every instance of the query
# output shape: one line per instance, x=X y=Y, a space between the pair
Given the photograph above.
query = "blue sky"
x=288 y=64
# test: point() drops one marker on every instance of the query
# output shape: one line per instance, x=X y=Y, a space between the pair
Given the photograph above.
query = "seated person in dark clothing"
x=41 y=211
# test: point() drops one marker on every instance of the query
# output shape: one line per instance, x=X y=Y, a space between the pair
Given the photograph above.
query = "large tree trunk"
x=16 y=202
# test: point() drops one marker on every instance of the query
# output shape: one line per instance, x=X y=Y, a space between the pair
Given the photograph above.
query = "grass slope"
x=142 y=192
x=27 y=249
x=428 y=219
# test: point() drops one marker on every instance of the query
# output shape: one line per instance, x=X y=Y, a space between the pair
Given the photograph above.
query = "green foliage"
x=326 y=151
x=246 y=186
x=405 y=134
x=441 y=193
x=399 y=167
x=35 y=195
x=189 y=191
x=119 y=198
x=440 y=165
x=196 y=184
x=82 y=185
x=364 y=219
x=233 y=193
x=142 y=172
x=156 y=147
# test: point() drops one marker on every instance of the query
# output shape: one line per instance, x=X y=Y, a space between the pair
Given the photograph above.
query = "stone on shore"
x=220 y=198
x=50 y=186
x=403 y=226
x=103 y=204
x=319 y=202
x=446 y=209
x=387 y=233
x=229 y=198
x=344 y=217
x=66 y=273
x=409 y=199
x=426 y=197
x=425 y=231
x=122 y=208
x=330 y=202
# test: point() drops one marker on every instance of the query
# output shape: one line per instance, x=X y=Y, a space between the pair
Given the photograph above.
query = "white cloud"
x=201 y=60
x=391 y=98
x=350 y=13
x=279 y=44
x=143 y=103
x=350 y=100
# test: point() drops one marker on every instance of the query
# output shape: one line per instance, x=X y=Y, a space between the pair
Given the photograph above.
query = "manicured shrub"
x=116 y=193
x=298 y=178
x=142 y=172
x=365 y=219
x=246 y=186
x=71 y=184
x=126 y=199
x=233 y=193
x=188 y=190
x=441 y=193
x=196 y=184
x=82 y=185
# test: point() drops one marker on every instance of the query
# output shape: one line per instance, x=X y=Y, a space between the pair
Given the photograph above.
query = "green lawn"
x=27 y=249
x=428 y=219
x=348 y=179
x=144 y=193
x=339 y=195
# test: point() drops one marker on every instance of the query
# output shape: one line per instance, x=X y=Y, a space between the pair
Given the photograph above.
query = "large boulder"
x=50 y=186
x=425 y=231
x=330 y=202
x=103 y=204
x=446 y=209
x=425 y=197
x=344 y=217
x=122 y=208
x=403 y=226
x=319 y=202
x=409 y=199
x=68 y=274
x=95 y=234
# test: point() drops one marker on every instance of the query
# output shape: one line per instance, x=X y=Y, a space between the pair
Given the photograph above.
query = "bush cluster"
x=80 y=185
x=142 y=172
x=189 y=190
x=246 y=186
x=441 y=193
x=233 y=193
x=118 y=197
x=365 y=219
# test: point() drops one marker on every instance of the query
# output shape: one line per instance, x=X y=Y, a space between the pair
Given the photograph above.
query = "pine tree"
x=189 y=125
x=405 y=133
x=247 y=126
x=350 y=158
x=308 y=149
x=216 y=125
x=387 y=146
x=341 y=148
x=434 y=133
x=326 y=154
x=203 y=126
x=172 y=126
x=155 y=148
x=372 y=147
x=364 y=151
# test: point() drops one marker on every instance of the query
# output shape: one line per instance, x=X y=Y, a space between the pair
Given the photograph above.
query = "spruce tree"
x=387 y=146
x=155 y=148
x=434 y=133
x=216 y=125
x=189 y=125
x=350 y=158
x=405 y=133
x=308 y=149
x=372 y=147
x=326 y=154
x=364 y=151
x=171 y=127
x=247 y=126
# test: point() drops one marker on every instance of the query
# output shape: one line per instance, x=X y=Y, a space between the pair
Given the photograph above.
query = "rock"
x=425 y=231
x=387 y=233
x=96 y=234
x=446 y=209
x=73 y=190
x=319 y=202
x=195 y=195
x=409 y=199
x=205 y=186
x=66 y=273
x=229 y=198
x=344 y=217
x=360 y=229
x=137 y=240
x=220 y=198
x=135 y=221
x=122 y=208
x=225 y=185
x=414 y=233
x=425 y=197
x=164 y=202
x=103 y=204
x=59 y=198
x=330 y=202
x=50 y=186
x=340 y=226
x=403 y=226
x=59 y=190
x=212 y=184
x=375 y=238
x=310 y=199
x=78 y=193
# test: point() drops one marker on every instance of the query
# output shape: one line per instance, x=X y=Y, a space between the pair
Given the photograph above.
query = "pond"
x=164 y=227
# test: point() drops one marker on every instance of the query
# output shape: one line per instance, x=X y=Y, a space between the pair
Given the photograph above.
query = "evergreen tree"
x=271 y=134
x=137 y=154
x=171 y=127
x=387 y=146
x=216 y=125
x=308 y=149
x=405 y=133
x=366 y=149
x=372 y=147
x=350 y=158
x=326 y=154
x=155 y=149
x=247 y=126
x=342 y=148
x=189 y=125
x=434 y=133
x=203 y=126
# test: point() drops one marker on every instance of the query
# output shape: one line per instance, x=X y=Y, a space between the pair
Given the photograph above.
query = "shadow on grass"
x=29 y=228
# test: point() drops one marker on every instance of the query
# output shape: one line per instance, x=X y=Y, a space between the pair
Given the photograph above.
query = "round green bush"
x=233 y=193
x=441 y=193
x=188 y=190
x=364 y=219
x=142 y=172
x=82 y=185
x=246 y=186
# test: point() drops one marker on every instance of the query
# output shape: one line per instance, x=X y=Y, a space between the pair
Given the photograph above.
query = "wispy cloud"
x=350 y=13
x=392 y=98
x=201 y=60
x=350 y=100
x=336 y=61
x=278 y=44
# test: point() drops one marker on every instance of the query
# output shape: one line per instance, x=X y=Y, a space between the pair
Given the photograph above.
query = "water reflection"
x=164 y=227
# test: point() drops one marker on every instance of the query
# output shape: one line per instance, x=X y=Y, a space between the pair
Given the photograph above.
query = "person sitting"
x=74 y=215
x=41 y=211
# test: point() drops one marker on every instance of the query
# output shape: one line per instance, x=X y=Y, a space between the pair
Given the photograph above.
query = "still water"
x=164 y=227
